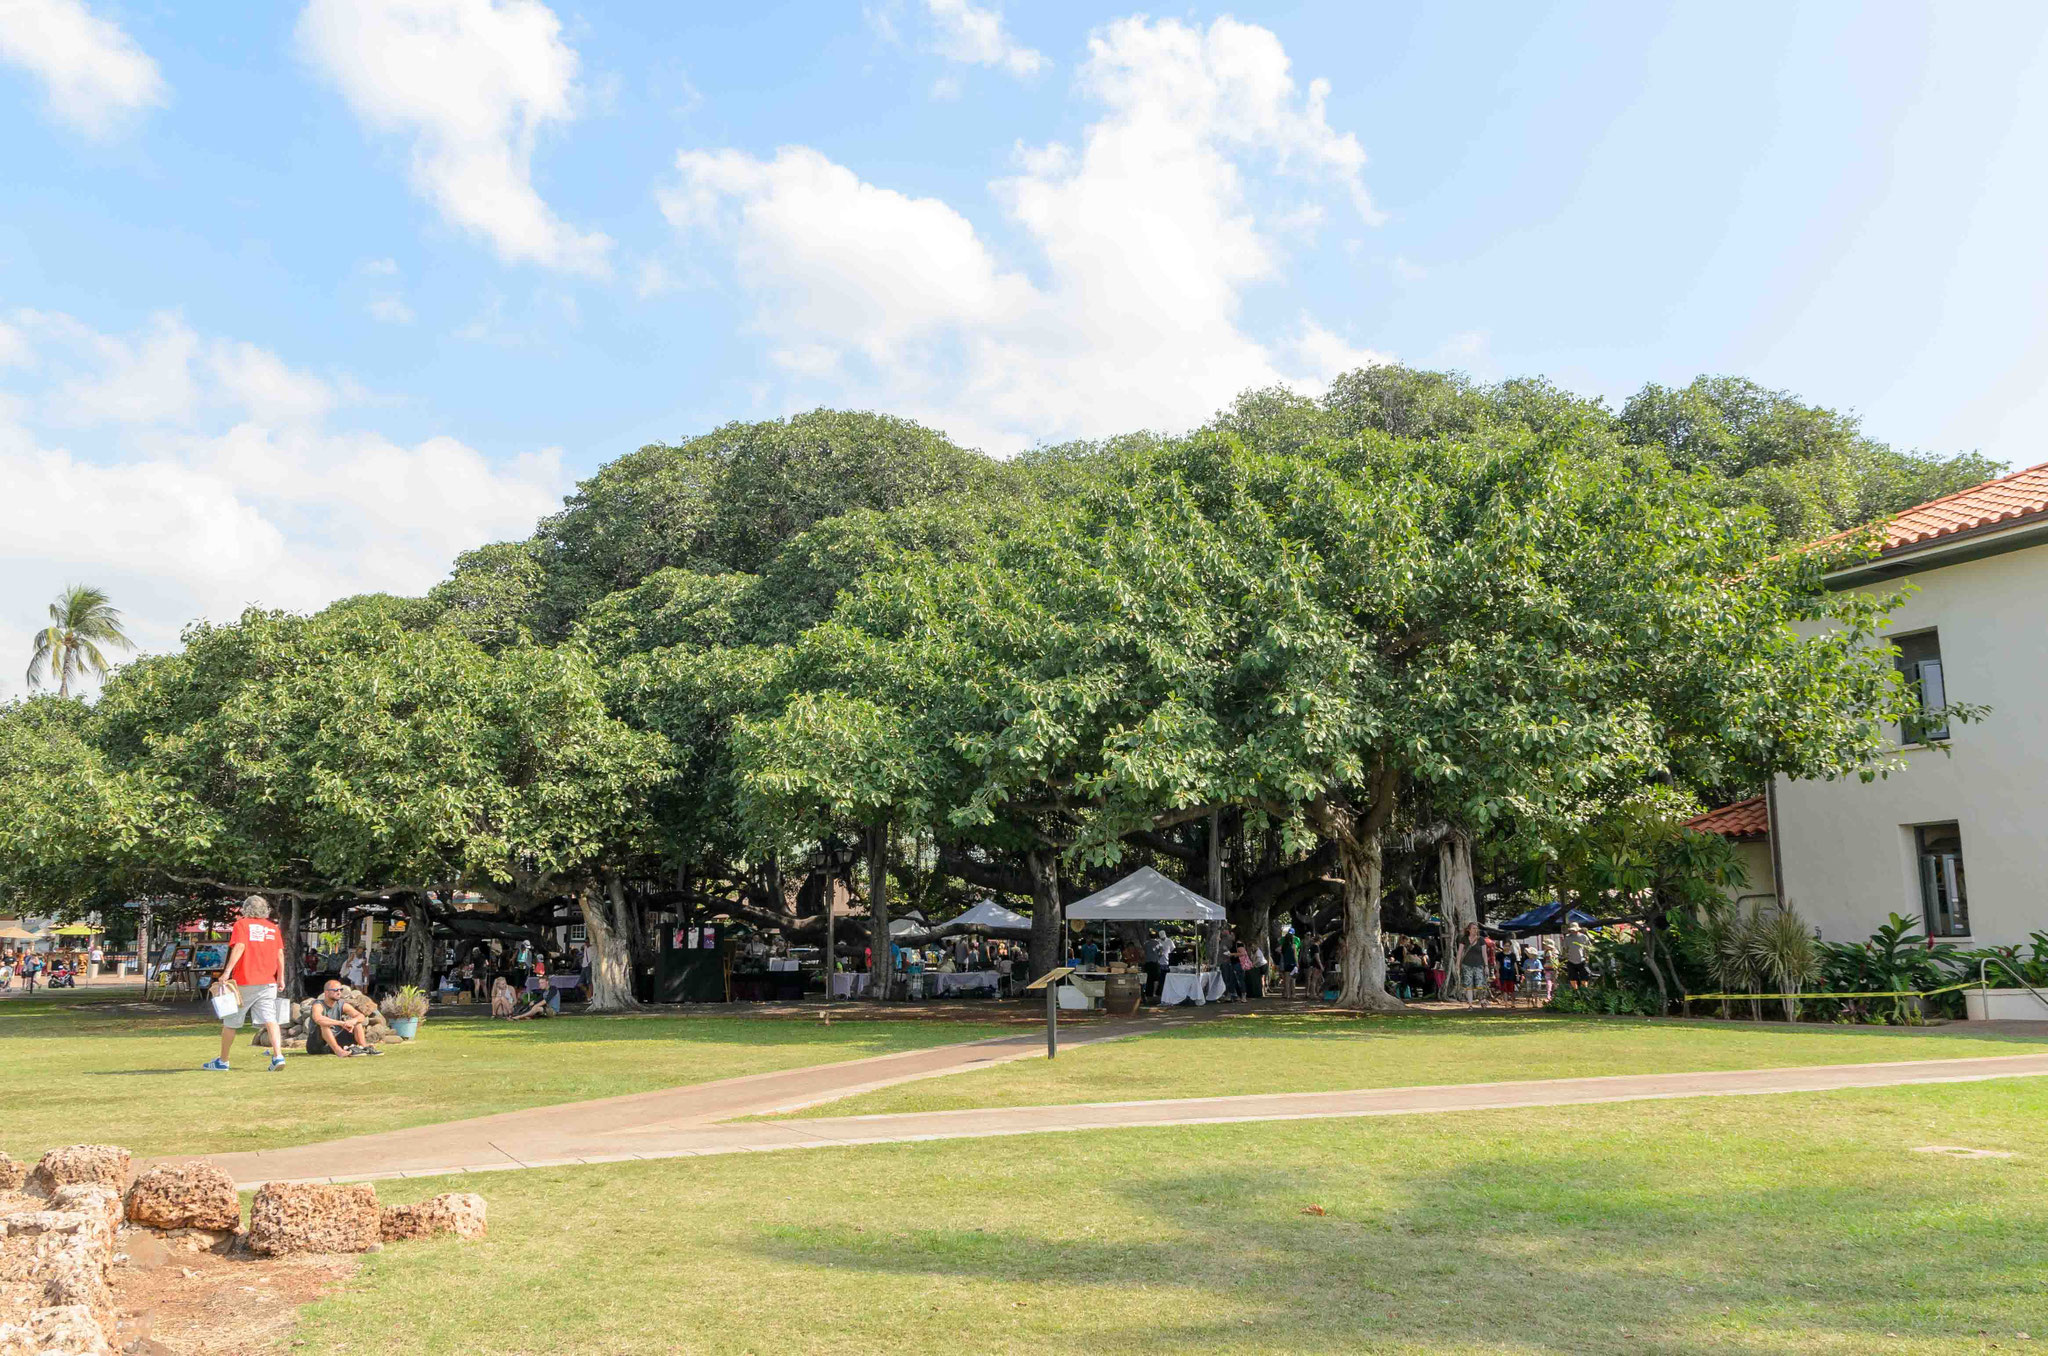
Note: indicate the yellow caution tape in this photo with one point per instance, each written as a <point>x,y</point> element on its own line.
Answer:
<point>1829,993</point>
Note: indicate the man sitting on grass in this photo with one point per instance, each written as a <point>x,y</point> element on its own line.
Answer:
<point>339,1027</point>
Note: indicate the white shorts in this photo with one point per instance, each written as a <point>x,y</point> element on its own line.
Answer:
<point>259,1001</point>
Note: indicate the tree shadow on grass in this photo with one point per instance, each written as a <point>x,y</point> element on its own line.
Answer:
<point>1560,1252</point>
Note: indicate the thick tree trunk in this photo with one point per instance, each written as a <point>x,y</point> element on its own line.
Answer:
<point>1361,848</point>
<point>1455,890</point>
<point>1215,941</point>
<point>1650,960</point>
<point>611,953</point>
<point>294,975</point>
<point>1048,928</point>
<point>883,972</point>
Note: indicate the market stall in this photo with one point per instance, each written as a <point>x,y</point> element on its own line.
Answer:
<point>1144,896</point>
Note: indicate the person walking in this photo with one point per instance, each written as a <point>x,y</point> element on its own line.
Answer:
<point>93,960</point>
<point>1578,971</point>
<point>1472,977</point>
<point>31,968</point>
<point>255,965</point>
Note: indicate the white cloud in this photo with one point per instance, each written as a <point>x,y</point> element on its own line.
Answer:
<point>387,301</point>
<point>1325,355</point>
<point>654,280</point>
<point>1147,238</point>
<point>244,494</point>
<point>94,75</point>
<point>473,82</point>
<point>975,34</point>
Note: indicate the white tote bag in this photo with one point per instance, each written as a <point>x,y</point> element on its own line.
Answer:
<point>228,1001</point>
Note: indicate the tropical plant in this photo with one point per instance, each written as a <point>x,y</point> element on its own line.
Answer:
<point>410,1001</point>
<point>1722,940</point>
<point>81,622</point>
<point>1896,960</point>
<point>1783,950</point>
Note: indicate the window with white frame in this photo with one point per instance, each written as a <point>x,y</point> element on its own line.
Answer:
<point>1944,900</point>
<point>1920,660</point>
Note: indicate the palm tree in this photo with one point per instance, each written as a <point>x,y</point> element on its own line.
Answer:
<point>81,621</point>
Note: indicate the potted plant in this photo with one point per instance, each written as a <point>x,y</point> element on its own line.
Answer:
<point>404,1009</point>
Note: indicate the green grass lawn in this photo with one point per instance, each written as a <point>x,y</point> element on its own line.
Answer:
<point>1776,1224</point>
<point>98,1067</point>
<point>1322,1053</point>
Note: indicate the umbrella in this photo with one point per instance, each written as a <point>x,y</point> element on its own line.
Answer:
<point>18,934</point>
<point>77,930</point>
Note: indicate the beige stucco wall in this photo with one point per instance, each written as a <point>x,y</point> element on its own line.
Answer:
<point>1846,848</point>
<point>1756,862</point>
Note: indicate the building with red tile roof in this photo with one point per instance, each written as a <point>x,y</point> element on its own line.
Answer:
<point>2003,514</point>
<point>1955,834</point>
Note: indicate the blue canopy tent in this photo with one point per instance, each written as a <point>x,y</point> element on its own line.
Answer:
<point>1542,918</point>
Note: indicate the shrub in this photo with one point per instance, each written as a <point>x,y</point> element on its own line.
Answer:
<point>409,1001</point>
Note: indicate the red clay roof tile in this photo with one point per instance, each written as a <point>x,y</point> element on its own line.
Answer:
<point>1745,819</point>
<point>2007,500</point>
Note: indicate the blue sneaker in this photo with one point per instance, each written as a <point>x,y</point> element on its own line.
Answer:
<point>276,1063</point>
<point>215,1065</point>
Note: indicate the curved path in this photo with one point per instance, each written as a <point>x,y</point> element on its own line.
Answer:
<point>685,1122</point>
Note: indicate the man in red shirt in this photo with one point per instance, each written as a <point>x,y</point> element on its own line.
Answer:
<point>254,969</point>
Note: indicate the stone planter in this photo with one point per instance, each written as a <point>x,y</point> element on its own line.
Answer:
<point>407,1027</point>
<point>2004,1005</point>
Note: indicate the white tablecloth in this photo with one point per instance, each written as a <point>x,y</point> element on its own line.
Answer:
<point>1184,986</point>
<point>850,985</point>
<point>937,984</point>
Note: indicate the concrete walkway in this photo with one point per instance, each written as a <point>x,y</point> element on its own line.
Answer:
<point>683,1122</point>
<point>527,1138</point>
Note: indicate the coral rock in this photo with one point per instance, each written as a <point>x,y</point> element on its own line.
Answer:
<point>186,1196</point>
<point>69,1330</point>
<point>290,1217</point>
<point>13,1172</point>
<point>89,1164</point>
<point>456,1212</point>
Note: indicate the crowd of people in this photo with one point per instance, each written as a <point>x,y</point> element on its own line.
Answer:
<point>1482,969</point>
<point>32,970</point>
<point>960,954</point>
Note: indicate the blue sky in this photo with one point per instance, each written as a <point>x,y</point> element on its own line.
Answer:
<point>298,300</point>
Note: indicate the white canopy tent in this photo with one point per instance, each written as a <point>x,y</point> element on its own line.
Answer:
<point>1145,896</point>
<point>987,916</point>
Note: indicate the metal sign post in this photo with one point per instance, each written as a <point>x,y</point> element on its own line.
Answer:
<point>1049,981</point>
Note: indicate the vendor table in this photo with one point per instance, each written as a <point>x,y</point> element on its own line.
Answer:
<point>939,983</point>
<point>1189,986</point>
<point>1083,990</point>
<point>849,985</point>
<point>774,986</point>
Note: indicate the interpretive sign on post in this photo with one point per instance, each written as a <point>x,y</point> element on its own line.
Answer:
<point>1049,981</point>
